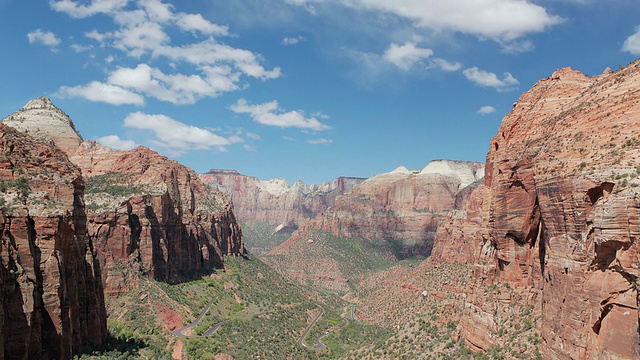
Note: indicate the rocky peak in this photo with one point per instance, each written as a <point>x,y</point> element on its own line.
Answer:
<point>42,119</point>
<point>466,172</point>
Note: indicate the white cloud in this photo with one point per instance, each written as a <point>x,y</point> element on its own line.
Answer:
<point>319,141</point>
<point>270,114</point>
<point>292,40</point>
<point>174,135</point>
<point>80,48</point>
<point>502,20</point>
<point>406,56</point>
<point>195,22</point>
<point>445,65</point>
<point>207,68</point>
<point>249,148</point>
<point>632,43</point>
<point>489,79</point>
<point>174,88</point>
<point>487,109</point>
<point>114,142</point>
<point>73,9</point>
<point>46,38</point>
<point>99,92</point>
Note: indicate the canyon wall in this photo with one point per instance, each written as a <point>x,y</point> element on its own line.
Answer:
<point>146,214</point>
<point>52,301</point>
<point>400,205</point>
<point>560,216</point>
<point>274,201</point>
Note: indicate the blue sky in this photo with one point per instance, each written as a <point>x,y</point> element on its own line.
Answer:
<point>301,89</point>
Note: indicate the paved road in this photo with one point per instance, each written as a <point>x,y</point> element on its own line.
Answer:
<point>179,333</point>
<point>319,344</point>
<point>306,331</point>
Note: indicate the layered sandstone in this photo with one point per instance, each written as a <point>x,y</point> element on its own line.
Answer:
<point>561,205</point>
<point>274,201</point>
<point>51,302</point>
<point>146,214</point>
<point>399,205</point>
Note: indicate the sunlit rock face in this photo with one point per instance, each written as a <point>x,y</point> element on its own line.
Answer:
<point>274,201</point>
<point>560,207</point>
<point>402,205</point>
<point>146,214</point>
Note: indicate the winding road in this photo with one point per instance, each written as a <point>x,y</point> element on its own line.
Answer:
<point>179,333</point>
<point>319,344</point>
<point>306,331</point>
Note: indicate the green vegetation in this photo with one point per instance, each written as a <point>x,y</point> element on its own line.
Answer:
<point>116,184</point>
<point>259,236</point>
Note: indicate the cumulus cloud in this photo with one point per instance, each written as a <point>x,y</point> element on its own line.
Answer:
<point>46,38</point>
<point>292,40</point>
<point>632,43</point>
<point>487,109</point>
<point>78,11</point>
<point>445,65</point>
<point>502,20</point>
<point>406,56</point>
<point>270,114</point>
<point>200,69</point>
<point>319,141</point>
<point>115,142</point>
<point>489,79</point>
<point>99,92</point>
<point>173,135</point>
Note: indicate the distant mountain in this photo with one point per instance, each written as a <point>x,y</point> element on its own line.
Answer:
<point>270,210</point>
<point>397,213</point>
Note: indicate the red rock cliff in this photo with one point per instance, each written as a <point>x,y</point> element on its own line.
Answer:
<point>51,302</point>
<point>400,205</point>
<point>274,201</point>
<point>561,197</point>
<point>147,214</point>
<point>155,214</point>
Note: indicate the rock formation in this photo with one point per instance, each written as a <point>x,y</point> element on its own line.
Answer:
<point>561,204</point>
<point>146,214</point>
<point>274,201</point>
<point>400,205</point>
<point>51,297</point>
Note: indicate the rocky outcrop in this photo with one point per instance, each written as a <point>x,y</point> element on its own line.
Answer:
<point>52,302</point>
<point>400,205</point>
<point>562,200</point>
<point>146,213</point>
<point>274,201</point>
<point>154,214</point>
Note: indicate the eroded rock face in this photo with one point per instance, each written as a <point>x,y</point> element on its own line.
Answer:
<point>400,205</point>
<point>146,213</point>
<point>52,301</point>
<point>160,216</point>
<point>562,196</point>
<point>274,201</point>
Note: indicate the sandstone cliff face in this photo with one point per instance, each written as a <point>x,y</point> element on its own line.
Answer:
<point>400,205</point>
<point>274,201</point>
<point>51,302</point>
<point>561,205</point>
<point>151,212</point>
<point>146,213</point>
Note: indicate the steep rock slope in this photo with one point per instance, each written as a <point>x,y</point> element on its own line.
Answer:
<point>146,213</point>
<point>399,205</point>
<point>561,204</point>
<point>274,201</point>
<point>389,216</point>
<point>51,302</point>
